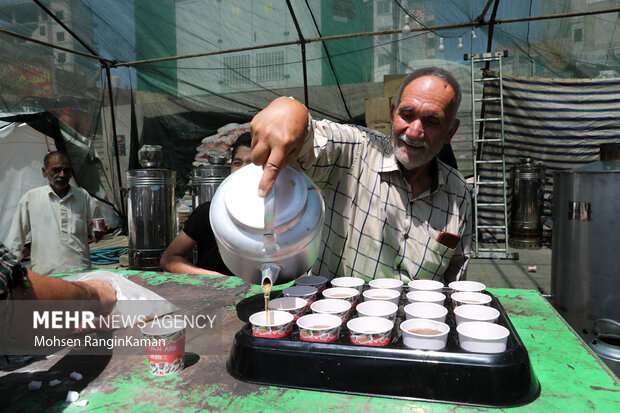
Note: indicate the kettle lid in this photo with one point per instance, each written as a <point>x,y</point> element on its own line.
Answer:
<point>248,209</point>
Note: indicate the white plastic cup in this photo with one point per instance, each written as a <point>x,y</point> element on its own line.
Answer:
<point>342,293</point>
<point>425,285</point>
<point>382,294</point>
<point>319,327</point>
<point>465,297</point>
<point>349,282</point>
<point>378,308</point>
<point>468,312</point>
<point>386,283</point>
<point>294,305</point>
<point>424,334</point>
<point>429,311</point>
<point>481,337</point>
<point>334,306</point>
<point>468,286</point>
<point>370,331</point>
<point>277,324</point>
<point>422,296</point>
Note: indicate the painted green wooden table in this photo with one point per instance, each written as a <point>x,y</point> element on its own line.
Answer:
<point>571,376</point>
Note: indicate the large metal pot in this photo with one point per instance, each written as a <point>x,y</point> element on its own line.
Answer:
<point>150,215</point>
<point>205,181</point>
<point>584,262</point>
<point>276,238</point>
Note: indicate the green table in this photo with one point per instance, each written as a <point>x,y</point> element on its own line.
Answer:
<point>572,377</point>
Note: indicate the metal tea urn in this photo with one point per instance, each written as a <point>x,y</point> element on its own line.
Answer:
<point>151,210</point>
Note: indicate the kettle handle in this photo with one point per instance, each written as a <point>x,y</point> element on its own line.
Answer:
<point>270,246</point>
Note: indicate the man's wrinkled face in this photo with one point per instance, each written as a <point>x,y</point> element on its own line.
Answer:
<point>58,172</point>
<point>241,158</point>
<point>423,121</point>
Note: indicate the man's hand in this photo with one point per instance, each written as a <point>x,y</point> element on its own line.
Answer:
<point>278,134</point>
<point>103,292</point>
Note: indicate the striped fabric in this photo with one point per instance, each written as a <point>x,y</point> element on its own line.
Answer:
<point>559,122</point>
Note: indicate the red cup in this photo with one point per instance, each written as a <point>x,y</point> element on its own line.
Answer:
<point>99,224</point>
<point>165,349</point>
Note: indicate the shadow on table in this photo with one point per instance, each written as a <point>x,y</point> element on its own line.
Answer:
<point>14,392</point>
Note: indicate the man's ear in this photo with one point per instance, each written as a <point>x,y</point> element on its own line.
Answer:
<point>43,172</point>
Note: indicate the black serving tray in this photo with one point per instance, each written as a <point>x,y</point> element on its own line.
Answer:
<point>451,375</point>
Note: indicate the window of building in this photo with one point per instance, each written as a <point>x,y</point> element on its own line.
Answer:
<point>60,14</point>
<point>270,66</point>
<point>60,36</point>
<point>578,35</point>
<point>42,30</point>
<point>237,69</point>
<point>62,57</point>
<point>383,7</point>
<point>384,59</point>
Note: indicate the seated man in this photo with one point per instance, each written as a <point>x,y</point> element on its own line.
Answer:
<point>197,230</point>
<point>393,209</point>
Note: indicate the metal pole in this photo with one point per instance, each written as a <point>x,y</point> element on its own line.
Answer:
<point>117,156</point>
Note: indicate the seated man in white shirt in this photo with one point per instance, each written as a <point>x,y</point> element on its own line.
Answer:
<point>59,219</point>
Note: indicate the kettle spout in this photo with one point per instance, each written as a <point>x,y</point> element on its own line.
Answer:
<point>269,273</point>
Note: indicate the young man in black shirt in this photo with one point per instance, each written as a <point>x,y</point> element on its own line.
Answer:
<point>197,230</point>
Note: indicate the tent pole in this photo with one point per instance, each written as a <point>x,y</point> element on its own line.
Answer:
<point>116,154</point>
<point>302,42</point>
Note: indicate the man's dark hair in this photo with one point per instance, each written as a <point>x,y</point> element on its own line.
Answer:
<point>440,73</point>
<point>245,139</point>
<point>46,158</point>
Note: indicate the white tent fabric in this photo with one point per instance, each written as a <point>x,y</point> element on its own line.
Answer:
<point>22,149</point>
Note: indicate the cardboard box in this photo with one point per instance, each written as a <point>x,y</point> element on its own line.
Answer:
<point>391,84</point>
<point>383,127</point>
<point>377,110</point>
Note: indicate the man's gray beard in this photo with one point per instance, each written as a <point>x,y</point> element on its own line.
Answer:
<point>416,144</point>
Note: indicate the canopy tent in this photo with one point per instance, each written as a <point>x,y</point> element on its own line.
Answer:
<point>121,72</point>
<point>24,141</point>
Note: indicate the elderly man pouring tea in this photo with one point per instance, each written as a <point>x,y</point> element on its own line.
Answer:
<point>393,210</point>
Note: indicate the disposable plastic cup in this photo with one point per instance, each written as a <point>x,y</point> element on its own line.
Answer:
<point>428,311</point>
<point>343,293</point>
<point>316,281</point>
<point>277,324</point>
<point>319,327</point>
<point>386,283</point>
<point>465,297</point>
<point>468,312</point>
<point>425,285</point>
<point>481,337</point>
<point>424,334</point>
<point>378,308</point>
<point>333,306</point>
<point>422,296</point>
<point>370,331</point>
<point>349,282</point>
<point>165,347</point>
<point>382,294</point>
<point>302,291</point>
<point>469,286</point>
<point>293,305</point>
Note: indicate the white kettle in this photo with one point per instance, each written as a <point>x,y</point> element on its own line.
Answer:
<point>276,238</point>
